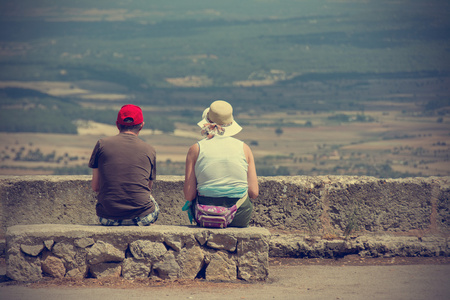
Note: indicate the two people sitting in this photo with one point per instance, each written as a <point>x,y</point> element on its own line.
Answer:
<point>220,171</point>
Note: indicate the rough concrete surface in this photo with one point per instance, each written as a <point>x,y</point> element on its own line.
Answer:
<point>312,204</point>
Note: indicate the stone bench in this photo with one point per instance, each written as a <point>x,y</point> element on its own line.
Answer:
<point>157,251</point>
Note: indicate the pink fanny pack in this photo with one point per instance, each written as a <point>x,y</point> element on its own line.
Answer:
<point>216,216</point>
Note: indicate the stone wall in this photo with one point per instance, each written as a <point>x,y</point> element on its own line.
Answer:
<point>317,205</point>
<point>161,252</point>
<point>322,216</point>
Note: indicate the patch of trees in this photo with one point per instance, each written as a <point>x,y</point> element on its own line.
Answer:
<point>75,170</point>
<point>273,170</point>
<point>35,155</point>
<point>348,118</point>
<point>51,115</point>
<point>436,104</point>
<point>19,120</point>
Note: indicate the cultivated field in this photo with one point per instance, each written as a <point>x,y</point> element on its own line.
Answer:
<point>392,144</point>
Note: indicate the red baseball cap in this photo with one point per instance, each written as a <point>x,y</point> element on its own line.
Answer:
<point>131,112</point>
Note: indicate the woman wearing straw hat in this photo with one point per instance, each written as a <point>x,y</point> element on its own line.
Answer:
<point>220,169</point>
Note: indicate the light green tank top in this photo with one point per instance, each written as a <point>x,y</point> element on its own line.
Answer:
<point>221,168</point>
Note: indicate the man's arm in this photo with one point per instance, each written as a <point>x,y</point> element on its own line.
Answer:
<point>95,183</point>
<point>150,184</point>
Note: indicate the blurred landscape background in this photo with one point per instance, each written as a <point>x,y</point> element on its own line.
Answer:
<point>321,87</point>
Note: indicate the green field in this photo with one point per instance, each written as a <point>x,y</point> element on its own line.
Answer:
<point>142,44</point>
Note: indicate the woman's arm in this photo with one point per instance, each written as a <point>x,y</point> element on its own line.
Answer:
<point>252,178</point>
<point>190,181</point>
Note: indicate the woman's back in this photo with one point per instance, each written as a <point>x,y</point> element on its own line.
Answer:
<point>221,168</point>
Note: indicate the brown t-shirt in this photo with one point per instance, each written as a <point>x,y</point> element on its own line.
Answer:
<point>125,164</point>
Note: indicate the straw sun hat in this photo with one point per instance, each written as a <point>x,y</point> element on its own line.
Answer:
<point>219,113</point>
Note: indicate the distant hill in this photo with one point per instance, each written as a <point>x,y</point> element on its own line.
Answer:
<point>263,55</point>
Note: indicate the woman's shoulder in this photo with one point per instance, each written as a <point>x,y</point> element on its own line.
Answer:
<point>194,148</point>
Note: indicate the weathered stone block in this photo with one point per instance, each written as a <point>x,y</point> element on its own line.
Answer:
<point>32,250</point>
<point>253,259</point>
<point>53,266</point>
<point>78,273</point>
<point>167,266</point>
<point>147,250</point>
<point>134,268</point>
<point>102,270</point>
<point>191,261</point>
<point>222,267</point>
<point>21,268</point>
<point>67,252</point>
<point>174,242</point>
<point>222,241</point>
<point>102,252</point>
<point>49,244</point>
<point>84,242</point>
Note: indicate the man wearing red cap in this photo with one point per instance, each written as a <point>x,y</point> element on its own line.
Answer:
<point>124,168</point>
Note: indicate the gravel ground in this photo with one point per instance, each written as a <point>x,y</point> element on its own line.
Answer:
<point>351,277</point>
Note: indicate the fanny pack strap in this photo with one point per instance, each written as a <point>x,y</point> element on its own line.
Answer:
<point>240,201</point>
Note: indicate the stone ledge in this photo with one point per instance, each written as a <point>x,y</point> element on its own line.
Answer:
<point>378,245</point>
<point>157,251</point>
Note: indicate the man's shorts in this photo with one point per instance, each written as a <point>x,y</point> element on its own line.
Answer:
<point>138,221</point>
